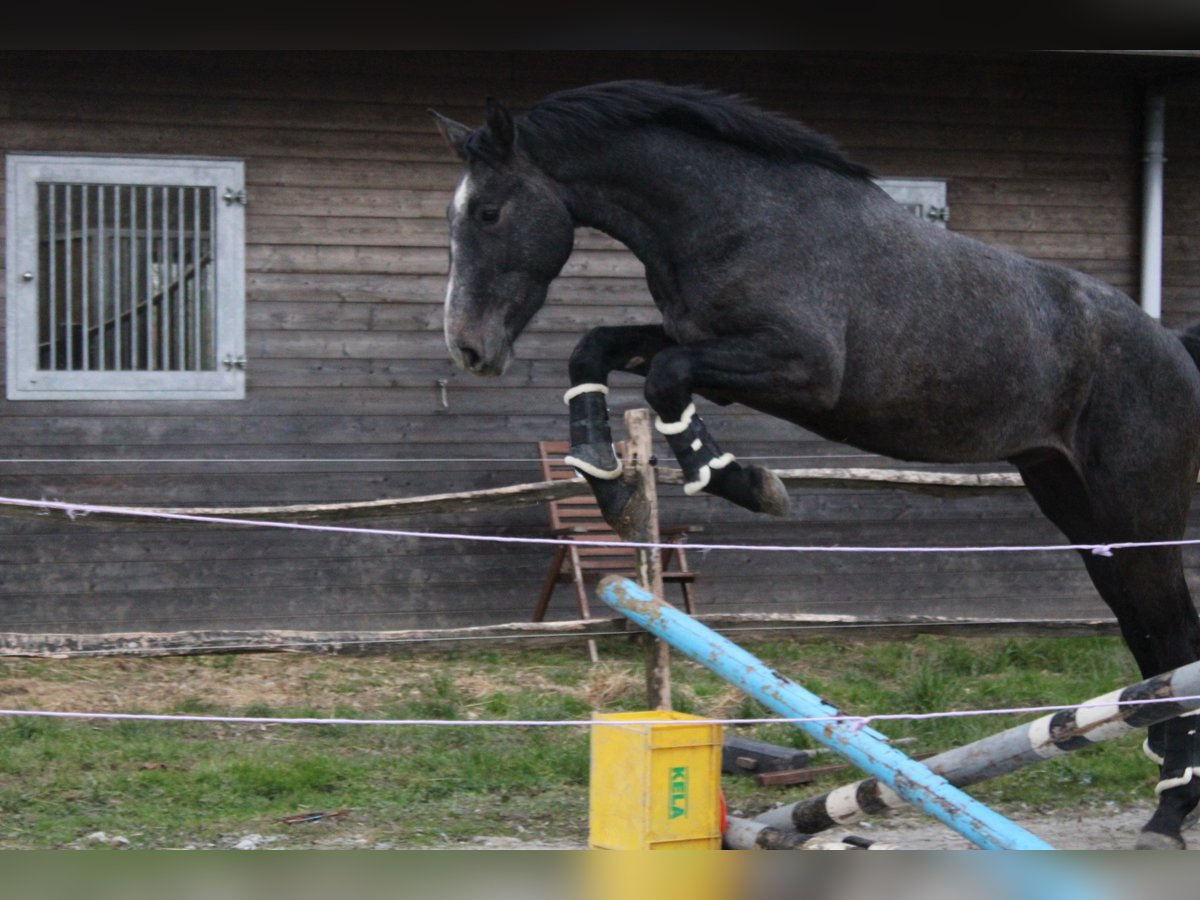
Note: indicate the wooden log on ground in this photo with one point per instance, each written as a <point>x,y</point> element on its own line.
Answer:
<point>743,756</point>
<point>746,626</point>
<point>184,643</point>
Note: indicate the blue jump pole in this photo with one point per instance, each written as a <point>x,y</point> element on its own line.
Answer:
<point>863,747</point>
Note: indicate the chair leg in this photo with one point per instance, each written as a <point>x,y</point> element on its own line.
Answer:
<point>581,598</point>
<point>689,600</point>
<point>539,611</point>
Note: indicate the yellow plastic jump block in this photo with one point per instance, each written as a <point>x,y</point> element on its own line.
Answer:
<point>655,782</point>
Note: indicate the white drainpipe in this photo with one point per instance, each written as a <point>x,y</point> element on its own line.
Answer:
<point>1152,203</point>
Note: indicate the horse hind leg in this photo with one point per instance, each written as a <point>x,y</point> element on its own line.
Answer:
<point>706,468</point>
<point>1174,746</point>
<point>669,383</point>
<point>1147,592</point>
<point>1168,633</point>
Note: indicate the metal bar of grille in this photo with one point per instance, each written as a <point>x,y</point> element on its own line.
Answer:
<point>180,283</point>
<point>207,285</point>
<point>52,259</point>
<point>148,290</point>
<point>133,273</point>
<point>101,252</point>
<point>68,278</point>
<point>85,276</point>
<point>197,268</point>
<point>164,268</point>
<point>118,313</point>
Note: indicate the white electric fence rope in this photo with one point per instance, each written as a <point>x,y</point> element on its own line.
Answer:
<point>337,460</point>
<point>75,510</point>
<point>853,720</point>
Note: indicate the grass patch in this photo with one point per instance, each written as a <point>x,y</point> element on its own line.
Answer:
<point>204,784</point>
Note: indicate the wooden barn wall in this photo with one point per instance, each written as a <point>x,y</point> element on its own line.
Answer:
<point>347,260</point>
<point>1181,204</point>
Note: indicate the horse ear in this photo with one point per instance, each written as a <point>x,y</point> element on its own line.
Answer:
<point>455,133</point>
<point>500,124</point>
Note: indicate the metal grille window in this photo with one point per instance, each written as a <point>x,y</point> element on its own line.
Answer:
<point>125,278</point>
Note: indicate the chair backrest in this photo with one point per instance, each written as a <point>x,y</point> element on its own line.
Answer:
<point>581,515</point>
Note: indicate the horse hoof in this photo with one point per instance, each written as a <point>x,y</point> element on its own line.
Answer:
<point>597,460</point>
<point>769,492</point>
<point>750,487</point>
<point>1153,840</point>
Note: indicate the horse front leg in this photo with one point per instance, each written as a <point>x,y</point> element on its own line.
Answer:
<point>599,353</point>
<point>725,366</point>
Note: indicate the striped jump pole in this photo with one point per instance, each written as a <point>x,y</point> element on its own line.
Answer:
<point>1109,716</point>
<point>864,747</point>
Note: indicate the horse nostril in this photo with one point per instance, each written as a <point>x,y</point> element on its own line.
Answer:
<point>470,357</point>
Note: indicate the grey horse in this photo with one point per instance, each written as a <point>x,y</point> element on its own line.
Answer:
<point>790,283</point>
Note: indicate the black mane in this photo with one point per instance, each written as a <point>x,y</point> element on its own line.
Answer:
<point>582,116</point>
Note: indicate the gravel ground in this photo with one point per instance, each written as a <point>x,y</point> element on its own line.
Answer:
<point>1112,828</point>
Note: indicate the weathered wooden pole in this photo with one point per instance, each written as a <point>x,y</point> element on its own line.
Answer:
<point>642,527</point>
<point>864,747</point>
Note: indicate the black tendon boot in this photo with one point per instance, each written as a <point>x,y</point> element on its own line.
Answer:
<point>706,468</point>
<point>1175,746</point>
<point>592,450</point>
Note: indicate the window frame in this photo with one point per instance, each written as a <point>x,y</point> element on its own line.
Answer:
<point>25,380</point>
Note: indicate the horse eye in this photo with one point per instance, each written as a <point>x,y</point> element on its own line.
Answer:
<point>489,215</point>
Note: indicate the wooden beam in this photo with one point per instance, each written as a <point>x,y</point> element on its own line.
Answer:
<point>925,482</point>
<point>639,448</point>
<point>512,495</point>
<point>533,493</point>
<point>744,626</point>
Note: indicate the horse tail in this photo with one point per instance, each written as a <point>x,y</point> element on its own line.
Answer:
<point>1191,342</point>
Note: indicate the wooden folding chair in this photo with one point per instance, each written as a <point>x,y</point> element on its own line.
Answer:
<point>579,518</point>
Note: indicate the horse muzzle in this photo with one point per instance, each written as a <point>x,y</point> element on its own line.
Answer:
<point>471,358</point>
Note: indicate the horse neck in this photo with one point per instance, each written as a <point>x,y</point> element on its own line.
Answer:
<point>652,197</point>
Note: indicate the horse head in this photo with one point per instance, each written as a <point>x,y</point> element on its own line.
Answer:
<point>510,235</point>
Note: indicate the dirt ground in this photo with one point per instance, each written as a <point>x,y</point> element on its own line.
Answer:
<point>315,681</point>
<point>1111,829</point>
<point>1101,829</point>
